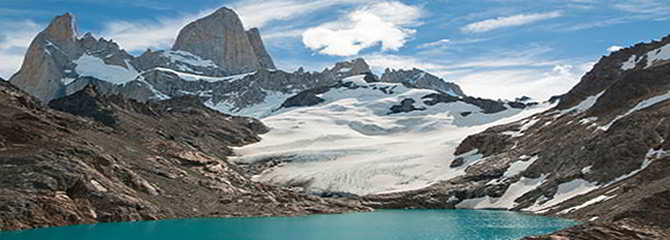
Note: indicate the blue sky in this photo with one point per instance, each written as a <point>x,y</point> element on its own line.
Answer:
<point>492,48</point>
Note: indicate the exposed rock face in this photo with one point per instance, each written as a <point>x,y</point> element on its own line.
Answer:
<point>50,62</point>
<point>264,58</point>
<point>221,37</point>
<point>160,160</point>
<point>43,64</point>
<point>406,105</point>
<point>416,78</point>
<point>349,68</point>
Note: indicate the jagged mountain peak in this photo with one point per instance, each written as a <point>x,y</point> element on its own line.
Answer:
<point>349,68</point>
<point>417,78</point>
<point>223,11</point>
<point>62,28</point>
<point>221,37</point>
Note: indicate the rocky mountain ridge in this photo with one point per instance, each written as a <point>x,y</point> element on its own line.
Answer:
<point>598,156</point>
<point>213,57</point>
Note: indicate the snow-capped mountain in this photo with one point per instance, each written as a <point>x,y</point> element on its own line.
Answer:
<point>363,136</point>
<point>213,57</point>
<point>599,155</point>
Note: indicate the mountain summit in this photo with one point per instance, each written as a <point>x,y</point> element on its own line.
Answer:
<point>221,37</point>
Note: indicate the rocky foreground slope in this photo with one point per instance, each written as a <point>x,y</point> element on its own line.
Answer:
<point>104,159</point>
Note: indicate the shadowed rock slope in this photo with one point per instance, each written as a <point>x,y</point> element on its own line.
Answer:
<point>120,160</point>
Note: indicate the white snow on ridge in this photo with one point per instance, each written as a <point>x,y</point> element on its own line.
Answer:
<point>651,155</point>
<point>653,57</point>
<point>185,60</point>
<point>91,66</point>
<point>630,63</point>
<point>584,105</point>
<point>524,126</point>
<point>188,58</point>
<point>565,192</point>
<point>642,105</point>
<point>194,77</point>
<point>657,55</point>
<point>519,166</point>
<point>67,81</point>
<point>350,143</point>
<point>595,200</point>
<point>506,201</point>
<point>272,102</point>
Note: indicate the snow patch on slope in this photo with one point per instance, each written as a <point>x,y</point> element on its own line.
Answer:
<point>584,105</point>
<point>91,66</point>
<point>272,102</point>
<point>595,200</point>
<point>519,166</point>
<point>507,200</point>
<point>188,58</point>
<point>658,55</point>
<point>194,77</point>
<point>565,192</point>
<point>630,63</point>
<point>642,105</point>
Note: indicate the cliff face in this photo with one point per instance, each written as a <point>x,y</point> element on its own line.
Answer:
<point>121,160</point>
<point>221,37</point>
<point>264,58</point>
<point>44,63</point>
<point>57,57</point>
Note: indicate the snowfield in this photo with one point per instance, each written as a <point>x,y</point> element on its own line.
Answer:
<point>350,143</point>
<point>91,66</point>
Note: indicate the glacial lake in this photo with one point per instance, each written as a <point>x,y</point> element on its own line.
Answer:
<point>382,225</point>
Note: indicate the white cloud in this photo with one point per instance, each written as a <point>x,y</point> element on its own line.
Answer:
<point>511,83</point>
<point>385,23</point>
<point>614,48</point>
<point>509,21</point>
<point>14,41</point>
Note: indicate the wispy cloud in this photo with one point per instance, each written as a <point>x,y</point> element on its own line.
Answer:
<point>649,9</point>
<point>14,41</point>
<point>437,43</point>
<point>388,24</point>
<point>509,21</point>
<point>258,13</point>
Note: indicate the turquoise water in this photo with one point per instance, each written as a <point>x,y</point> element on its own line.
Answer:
<point>386,225</point>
